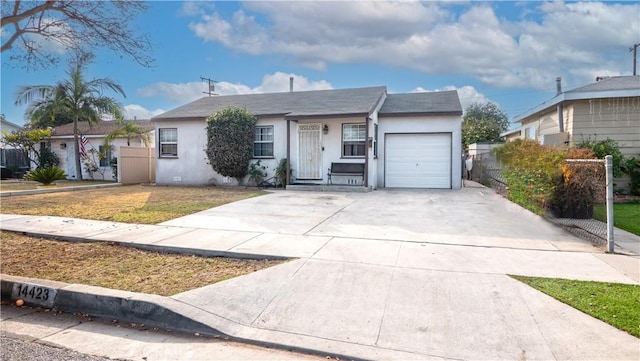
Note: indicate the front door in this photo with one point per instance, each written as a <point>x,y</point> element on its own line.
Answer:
<point>71,160</point>
<point>309,152</point>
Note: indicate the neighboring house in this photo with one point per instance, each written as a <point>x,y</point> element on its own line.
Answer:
<point>11,158</point>
<point>62,145</point>
<point>402,140</point>
<point>608,108</point>
<point>7,126</point>
<point>511,135</point>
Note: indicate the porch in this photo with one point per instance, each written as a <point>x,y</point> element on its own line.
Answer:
<point>328,188</point>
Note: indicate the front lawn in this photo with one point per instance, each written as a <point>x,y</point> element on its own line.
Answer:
<point>625,215</point>
<point>130,204</point>
<point>614,303</point>
<point>10,185</point>
<point>117,267</point>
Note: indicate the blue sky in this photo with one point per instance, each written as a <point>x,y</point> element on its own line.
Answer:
<point>506,52</point>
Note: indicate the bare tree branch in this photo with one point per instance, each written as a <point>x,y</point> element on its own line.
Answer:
<point>40,33</point>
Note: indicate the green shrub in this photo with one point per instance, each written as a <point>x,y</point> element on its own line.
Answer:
<point>257,173</point>
<point>281,172</point>
<point>539,179</point>
<point>531,171</point>
<point>46,176</point>
<point>603,148</point>
<point>230,136</point>
<point>631,166</point>
<point>48,159</point>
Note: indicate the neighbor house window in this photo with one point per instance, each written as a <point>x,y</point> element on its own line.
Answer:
<point>168,142</point>
<point>353,140</point>
<point>105,156</point>
<point>530,132</point>
<point>263,142</point>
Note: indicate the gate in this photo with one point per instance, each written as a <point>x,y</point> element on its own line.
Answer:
<point>136,165</point>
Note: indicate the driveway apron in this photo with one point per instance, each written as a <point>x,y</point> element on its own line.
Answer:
<point>422,272</point>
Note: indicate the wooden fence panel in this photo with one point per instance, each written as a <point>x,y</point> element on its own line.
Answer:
<point>136,165</point>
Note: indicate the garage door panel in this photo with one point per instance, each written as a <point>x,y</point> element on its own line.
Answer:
<point>418,160</point>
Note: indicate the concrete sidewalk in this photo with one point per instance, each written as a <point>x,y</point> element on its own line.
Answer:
<point>382,275</point>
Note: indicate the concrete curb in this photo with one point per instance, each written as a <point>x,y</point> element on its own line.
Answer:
<point>168,313</point>
<point>105,303</point>
<point>56,190</point>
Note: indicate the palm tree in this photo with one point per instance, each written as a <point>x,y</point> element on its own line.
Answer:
<point>74,98</point>
<point>129,130</point>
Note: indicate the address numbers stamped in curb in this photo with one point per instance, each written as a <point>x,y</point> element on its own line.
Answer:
<point>34,294</point>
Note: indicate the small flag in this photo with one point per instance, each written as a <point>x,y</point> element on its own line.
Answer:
<point>83,143</point>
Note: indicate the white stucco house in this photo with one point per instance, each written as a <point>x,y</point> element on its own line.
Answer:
<point>62,144</point>
<point>401,140</point>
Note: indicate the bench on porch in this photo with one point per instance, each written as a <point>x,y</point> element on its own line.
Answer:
<point>346,169</point>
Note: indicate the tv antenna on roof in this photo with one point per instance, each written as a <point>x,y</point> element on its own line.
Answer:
<point>211,88</point>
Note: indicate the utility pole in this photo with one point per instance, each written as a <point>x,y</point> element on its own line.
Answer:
<point>634,48</point>
<point>211,88</point>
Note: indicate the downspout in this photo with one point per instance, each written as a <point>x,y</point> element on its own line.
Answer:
<point>560,108</point>
<point>366,152</point>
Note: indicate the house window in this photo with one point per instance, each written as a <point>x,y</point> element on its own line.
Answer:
<point>353,140</point>
<point>105,156</point>
<point>168,142</point>
<point>263,142</point>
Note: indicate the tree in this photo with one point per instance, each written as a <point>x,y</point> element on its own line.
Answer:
<point>37,32</point>
<point>230,135</point>
<point>28,140</point>
<point>74,98</point>
<point>129,130</point>
<point>483,123</point>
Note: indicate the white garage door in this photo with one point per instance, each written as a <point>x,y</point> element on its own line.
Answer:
<point>418,160</point>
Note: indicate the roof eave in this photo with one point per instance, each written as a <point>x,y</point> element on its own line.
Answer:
<point>413,114</point>
<point>325,116</point>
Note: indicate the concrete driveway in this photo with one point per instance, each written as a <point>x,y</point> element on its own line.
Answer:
<point>411,274</point>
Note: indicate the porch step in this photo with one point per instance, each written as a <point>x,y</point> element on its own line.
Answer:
<point>327,188</point>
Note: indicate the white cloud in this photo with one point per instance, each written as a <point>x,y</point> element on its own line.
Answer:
<point>467,94</point>
<point>135,111</point>
<point>181,93</point>
<point>174,92</point>
<point>575,40</point>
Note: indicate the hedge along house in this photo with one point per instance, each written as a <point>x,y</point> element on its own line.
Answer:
<point>419,132</point>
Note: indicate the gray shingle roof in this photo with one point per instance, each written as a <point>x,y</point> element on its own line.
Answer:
<point>101,128</point>
<point>444,102</point>
<point>293,104</point>
<point>612,83</point>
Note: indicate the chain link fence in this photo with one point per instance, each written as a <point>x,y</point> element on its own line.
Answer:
<point>487,171</point>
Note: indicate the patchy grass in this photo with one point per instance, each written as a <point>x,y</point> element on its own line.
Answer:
<point>625,216</point>
<point>9,185</point>
<point>614,303</point>
<point>129,204</point>
<point>117,267</point>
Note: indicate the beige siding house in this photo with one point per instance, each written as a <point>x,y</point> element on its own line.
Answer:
<point>608,108</point>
